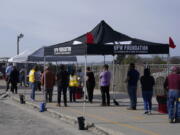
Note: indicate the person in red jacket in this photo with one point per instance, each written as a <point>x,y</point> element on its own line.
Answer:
<point>172,84</point>
<point>48,81</point>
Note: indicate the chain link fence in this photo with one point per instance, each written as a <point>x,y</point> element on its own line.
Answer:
<point>158,71</point>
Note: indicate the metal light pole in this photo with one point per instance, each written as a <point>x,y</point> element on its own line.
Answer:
<point>18,39</point>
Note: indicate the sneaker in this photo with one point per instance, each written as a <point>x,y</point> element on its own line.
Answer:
<point>170,120</point>
<point>146,112</point>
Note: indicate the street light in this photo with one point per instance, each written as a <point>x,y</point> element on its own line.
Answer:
<point>18,39</point>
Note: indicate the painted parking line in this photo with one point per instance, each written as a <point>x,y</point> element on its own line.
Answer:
<point>148,132</point>
<point>137,112</point>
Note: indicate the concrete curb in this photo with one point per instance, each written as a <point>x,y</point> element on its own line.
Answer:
<point>72,120</point>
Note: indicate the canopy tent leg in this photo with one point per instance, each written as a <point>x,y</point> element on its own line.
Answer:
<point>168,63</point>
<point>113,85</point>
<point>104,59</point>
<point>85,89</point>
<point>56,67</point>
<point>25,79</point>
<point>113,80</point>
<point>44,86</point>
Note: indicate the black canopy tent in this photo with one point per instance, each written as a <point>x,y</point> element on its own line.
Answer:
<point>105,41</point>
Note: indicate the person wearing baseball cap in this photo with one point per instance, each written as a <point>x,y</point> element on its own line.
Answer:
<point>172,84</point>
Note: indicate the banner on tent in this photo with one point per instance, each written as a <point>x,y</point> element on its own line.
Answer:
<point>141,49</point>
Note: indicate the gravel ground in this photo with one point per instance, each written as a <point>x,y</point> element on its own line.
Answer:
<point>16,119</point>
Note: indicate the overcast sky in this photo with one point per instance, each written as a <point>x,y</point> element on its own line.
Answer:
<point>47,22</point>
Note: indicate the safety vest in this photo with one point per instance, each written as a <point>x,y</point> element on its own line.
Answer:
<point>32,76</point>
<point>73,82</point>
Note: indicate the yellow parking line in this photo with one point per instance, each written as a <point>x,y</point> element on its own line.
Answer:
<point>125,112</point>
<point>148,132</point>
<point>138,117</point>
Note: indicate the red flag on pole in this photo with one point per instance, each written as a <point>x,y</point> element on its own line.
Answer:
<point>89,38</point>
<point>171,43</point>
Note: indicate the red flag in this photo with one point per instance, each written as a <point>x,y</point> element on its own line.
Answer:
<point>171,43</point>
<point>89,38</point>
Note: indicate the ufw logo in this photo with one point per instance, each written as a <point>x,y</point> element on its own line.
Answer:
<point>62,50</point>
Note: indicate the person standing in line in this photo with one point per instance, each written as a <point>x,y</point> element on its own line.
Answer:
<point>32,82</point>
<point>22,76</point>
<point>147,83</point>
<point>90,84</point>
<point>105,78</point>
<point>132,79</point>
<point>172,84</point>
<point>73,84</point>
<point>38,79</point>
<point>14,79</point>
<point>62,84</point>
<point>48,81</point>
<point>8,71</point>
<point>80,76</point>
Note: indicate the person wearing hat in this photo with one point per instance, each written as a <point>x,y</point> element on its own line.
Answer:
<point>48,81</point>
<point>172,84</point>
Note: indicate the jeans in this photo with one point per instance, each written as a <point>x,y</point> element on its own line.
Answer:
<point>33,89</point>
<point>173,104</point>
<point>132,92</point>
<point>60,89</point>
<point>147,98</point>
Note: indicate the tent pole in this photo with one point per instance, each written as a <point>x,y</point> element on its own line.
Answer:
<point>26,73</point>
<point>25,79</point>
<point>168,63</point>
<point>113,79</point>
<point>85,90</point>
<point>56,67</point>
<point>104,59</point>
<point>44,87</point>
